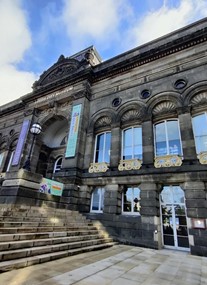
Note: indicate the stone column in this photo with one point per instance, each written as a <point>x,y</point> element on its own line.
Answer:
<point>186,131</point>
<point>84,198</point>
<point>147,143</point>
<point>112,199</point>
<point>89,150</point>
<point>151,231</point>
<point>196,203</point>
<point>115,147</point>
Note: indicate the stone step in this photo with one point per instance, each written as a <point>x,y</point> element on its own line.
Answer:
<point>23,262</point>
<point>36,211</point>
<point>39,235</point>
<point>30,235</point>
<point>18,244</point>
<point>9,224</point>
<point>27,252</point>
<point>13,230</point>
<point>43,219</point>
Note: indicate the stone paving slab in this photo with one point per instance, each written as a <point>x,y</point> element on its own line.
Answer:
<point>120,265</point>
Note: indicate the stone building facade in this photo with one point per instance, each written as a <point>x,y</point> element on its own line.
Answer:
<point>127,137</point>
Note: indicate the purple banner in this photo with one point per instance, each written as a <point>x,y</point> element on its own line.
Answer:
<point>20,143</point>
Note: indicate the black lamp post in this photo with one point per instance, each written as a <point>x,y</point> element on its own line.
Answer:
<point>35,130</point>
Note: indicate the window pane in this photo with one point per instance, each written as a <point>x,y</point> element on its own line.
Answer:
<point>131,200</point>
<point>99,148</point>
<point>128,138</point>
<point>178,195</point>
<point>107,147</point>
<point>127,144</point>
<point>103,146</point>
<point>102,199</point>
<point>200,132</point>
<point>132,143</point>
<point>138,143</point>
<point>127,200</point>
<point>166,195</point>
<point>95,200</point>
<point>160,139</point>
<point>136,198</point>
<point>173,137</point>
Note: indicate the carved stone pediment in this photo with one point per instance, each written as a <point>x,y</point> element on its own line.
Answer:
<point>63,67</point>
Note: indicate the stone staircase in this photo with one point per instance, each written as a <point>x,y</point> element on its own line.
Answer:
<point>32,235</point>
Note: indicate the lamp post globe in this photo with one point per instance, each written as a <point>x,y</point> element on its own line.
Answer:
<point>34,130</point>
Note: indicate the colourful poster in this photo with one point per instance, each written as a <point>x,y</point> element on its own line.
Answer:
<point>52,187</point>
<point>20,143</point>
<point>73,134</point>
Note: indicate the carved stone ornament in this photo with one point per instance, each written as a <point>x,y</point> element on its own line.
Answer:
<point>63,67</point>
<point>164,107</point>
<point>203,157</point>
<point>199,99</point>
<point>103,122</point>
<point>167,161</point>
<point>129,164</point>
<point>130,115</point>
<point>98,167</point>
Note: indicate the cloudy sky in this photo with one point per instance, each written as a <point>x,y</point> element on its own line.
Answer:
<point>34,33</point>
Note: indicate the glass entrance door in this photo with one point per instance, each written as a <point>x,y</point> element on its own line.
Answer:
<point>173,218</point>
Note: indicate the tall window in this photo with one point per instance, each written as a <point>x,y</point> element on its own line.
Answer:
<point>200,132</point>
<point>58,164</point>
<point>132,143</point>
<point>103,145</point>
<point>97,200</point>
<point>167,138</point>
<point>131,200</point>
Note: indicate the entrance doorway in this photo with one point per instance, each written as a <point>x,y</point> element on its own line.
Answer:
<point>173,218</point>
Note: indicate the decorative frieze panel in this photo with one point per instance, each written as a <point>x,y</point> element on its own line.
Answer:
<point>203,157</point>
<point>129,164</point>
<point>98,167</point>
<point>167,161</point>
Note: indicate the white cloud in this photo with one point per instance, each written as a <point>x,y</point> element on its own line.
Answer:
<point>93,20</point>
<point>15,40</point>
<point>165,20</point>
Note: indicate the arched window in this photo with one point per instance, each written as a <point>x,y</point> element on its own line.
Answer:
<point>58,164</point>
<point>132,143</point>
<point>97,200</point>
<point>167,138</point>
<point>102,149</point>
<point>131,200</point>
<point>200,132</point>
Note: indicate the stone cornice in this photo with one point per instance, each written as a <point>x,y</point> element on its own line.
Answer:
<point>169,48</point>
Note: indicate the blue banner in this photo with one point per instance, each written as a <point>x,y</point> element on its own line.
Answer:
<point>73,134</point>
<point>20,143</point>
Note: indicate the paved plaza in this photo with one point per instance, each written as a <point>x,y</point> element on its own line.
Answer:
<point>119,265</point>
